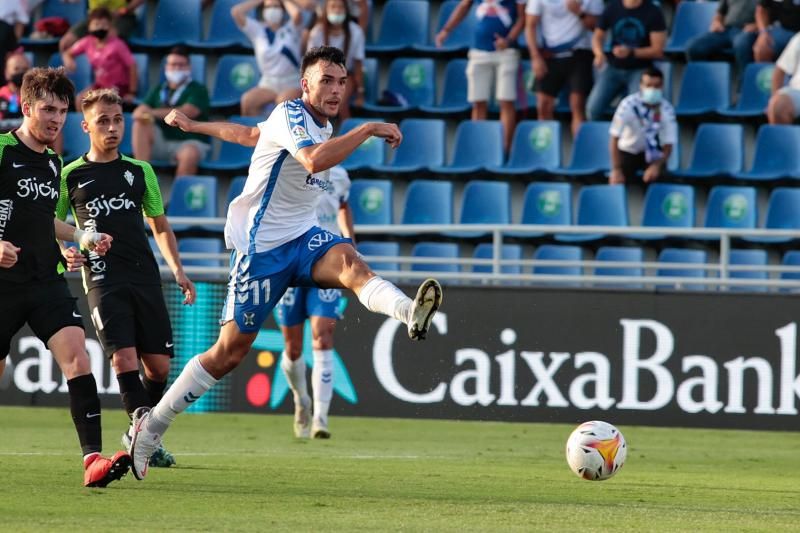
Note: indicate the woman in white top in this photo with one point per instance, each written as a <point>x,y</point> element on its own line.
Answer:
<point>336,28</point>
<point>277,51</point>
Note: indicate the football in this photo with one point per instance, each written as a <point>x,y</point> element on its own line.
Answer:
<point>596,450</point>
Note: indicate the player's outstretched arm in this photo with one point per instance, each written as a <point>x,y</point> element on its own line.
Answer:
<point>227,131</point>
<point>330,153</point>
<point>8,254</point>
<point>165,239</point>
<point>87,240</point>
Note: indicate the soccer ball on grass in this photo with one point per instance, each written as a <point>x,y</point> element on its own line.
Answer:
<point>596,450</point>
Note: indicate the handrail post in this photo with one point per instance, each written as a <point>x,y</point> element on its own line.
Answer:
<point>724,258</point>
<point>497,253</point>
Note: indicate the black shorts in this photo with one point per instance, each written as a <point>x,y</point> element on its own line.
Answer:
<point>575,71</point>
<point>47,307</point>
<point>131,316</point>
<point>632,164</point>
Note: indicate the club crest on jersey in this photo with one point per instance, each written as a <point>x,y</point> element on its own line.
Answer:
<point>53,168</point>
<point>128,177</point>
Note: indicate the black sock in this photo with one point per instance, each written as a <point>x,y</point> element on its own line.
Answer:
<point>155,389</point>
<point>132,391</point>
<point>84,404</point>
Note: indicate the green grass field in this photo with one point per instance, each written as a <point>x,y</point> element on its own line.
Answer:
<point>246,472</point>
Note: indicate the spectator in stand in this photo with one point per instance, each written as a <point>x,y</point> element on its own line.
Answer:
<point>13,19</point>
<point>777,22</point>
<point>493,57</point>
<point>124,19</point>
<point>643,132</point>
<point>638,34</point>
<point>10,107</point>
<point>152,138</point>
<point>336,28</point>
<point>563,55</point>
<point>733,26</point>
<point>111,59</point>
<point>784,105</point>
<point>277,49</point>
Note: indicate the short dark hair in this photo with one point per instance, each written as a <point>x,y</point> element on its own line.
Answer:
<point>179,50</point>
<point>329,54</point>
<point>41,82</point>
<point>653,72</point>
<point>100,13</point>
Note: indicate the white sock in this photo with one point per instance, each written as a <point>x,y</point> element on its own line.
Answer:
<point>381,296</point>
<point>191,384</point>
<point>295,372</point>
<point>322,383</point>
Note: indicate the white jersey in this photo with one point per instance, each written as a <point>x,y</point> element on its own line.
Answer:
<point>332,199</point>
<point>277,53</point>
<point>279,200</point>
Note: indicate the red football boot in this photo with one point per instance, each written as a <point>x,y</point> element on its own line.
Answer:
<point>100,471</point>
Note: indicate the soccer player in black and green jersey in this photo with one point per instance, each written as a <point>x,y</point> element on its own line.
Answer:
<point>108,192</point>
<point>32,285</point>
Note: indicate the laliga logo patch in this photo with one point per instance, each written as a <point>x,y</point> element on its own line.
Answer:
<point>300,133</point>
<point>319,239</point>
<point>329,295</point>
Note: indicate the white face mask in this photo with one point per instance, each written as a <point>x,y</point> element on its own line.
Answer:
<point>651,95</point>
<point>273,15</point>
<point>176,77</point>
<point>336,18</point>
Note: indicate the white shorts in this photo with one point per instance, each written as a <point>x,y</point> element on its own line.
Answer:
<point>500,67</point>
<point>279,84</point>
<point>794,94</point>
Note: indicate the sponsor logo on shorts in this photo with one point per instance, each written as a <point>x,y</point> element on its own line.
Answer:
<point>249,319</point>
<point>169,344</point>
<point>329,295</point>
<point>320,239</point>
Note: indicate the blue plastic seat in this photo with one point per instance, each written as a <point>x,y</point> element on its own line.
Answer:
<point>201,245</point>
<point>485,202</point>
<point>478,144</point>
<point>142,75</point>
<point>705,88</point>
<point>428,202</point>
<point>791,259</point>
<point>176,22</point>
<point>618,254</point>
<point>236,188</point>
<point>691,19</point>
<point>776,154</point>
<point>547,203</point>
<point>232,156</point>
<point>535,149</point>
<point>422,147</point>
<point>678,255</point>
<point>235,75</point>
<point>748,258</point>
<point>454,91</point>
<point>126,146</point>
<point>371,201</point>
<point>404,24</point>
<point>369,153</point>
<point>413,79</point>
<point>192,196</point>
<point>222,30</point>
<point>509,252</point>
<point>76,141</point>
<point>718,151</point>
<point>380,249</point>
<point>83,75</point>
<point>442,250</point>
<point>599,205</point>
<point>667,205</point>
<point>731,207</point>
<point>590,150</point>
<point>756,90</point>
<point>458,40</point>
<point>556,252</point>
<point>369,71</point>
<point>783,212</point>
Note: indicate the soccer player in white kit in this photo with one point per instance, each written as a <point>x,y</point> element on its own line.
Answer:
<point>272,229</point>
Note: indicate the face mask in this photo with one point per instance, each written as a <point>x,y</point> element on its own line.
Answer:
<point>273,15</point>
<point>651,95</point>
<point>176,77</point>
<point>100,34</point>
<point>336,18</point>
<point>16,79</point>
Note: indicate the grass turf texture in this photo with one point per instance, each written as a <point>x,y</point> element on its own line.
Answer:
<point>246,472</point>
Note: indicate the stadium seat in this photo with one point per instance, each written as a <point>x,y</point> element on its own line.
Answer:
<point>731,207</point>
<point>192,196</point>
<point>232,156</point>
<point>599,205</point>
<point>142,75</point>
<point>422,147</point>
<point>404,23</point>
<point>509,252</point>
<point>176,22</point>
<point>791,259</point>
<point>380,249</point>
<point>755,93</point>
<point>200,245</point>
<point>776,155</point>
<point>76,141</point>
<point>705,88</point>
<point>477,144</point>
<point>555,252</point>
<point>718,152</point>
<point>535,149</point>
<point>678,255</point>
<point>371,201</point>
<point>667,205</point>
<point>235,75</point>
<point>412,79</point>
<point>428,202</point>
<point>222,30</point>
<point>198,66</point>
<point>73,11</point>
<point>547,203</point>
<point>83,75</point>
<point>369,153</point>
<point>458,40</point>
<point>454,91</point>
<point>441,250</point>
<point>620,254</point>
<point>748,258</point>
<point>589,151</point>
<point>782,213</point>
<point>126,146</point>
<point>691,19</point>
<point>369,70</point>
<point>236,188</point>
<point>484,202</point>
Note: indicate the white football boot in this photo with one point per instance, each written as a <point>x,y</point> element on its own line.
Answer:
<point>302,418</point>
<point>319,428</point>
<point>143,443</point>
<point>426,302</point>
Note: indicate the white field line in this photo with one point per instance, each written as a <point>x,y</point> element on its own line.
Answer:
<point>236,452</point>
